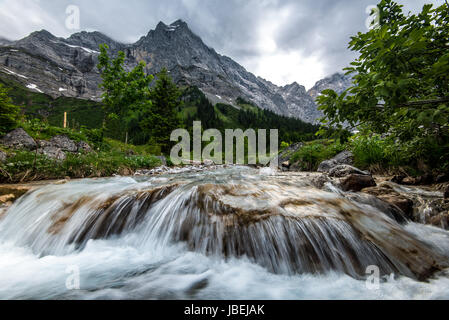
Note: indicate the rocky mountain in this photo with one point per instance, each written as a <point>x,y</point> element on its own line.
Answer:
<point>337,82</point>
<point>5,42</point>
<point>67,67</point>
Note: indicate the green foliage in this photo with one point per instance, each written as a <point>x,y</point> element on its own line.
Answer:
<point>42,130</point>
<point>247,115</point>
<point>39,105</point>
<point>369,150</point>
<point>125,94</point>
<point>373,150</point>
<point>284,145</point>
<point>25,165</point>
<point>401,81</point>
<point>162,118</point>
<point>9,113</point>
<point>309,157</point>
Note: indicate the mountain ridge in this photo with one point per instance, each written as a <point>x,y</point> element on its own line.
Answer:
<point>69,68</point>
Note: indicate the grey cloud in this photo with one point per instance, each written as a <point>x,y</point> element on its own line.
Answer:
<point>311,27</point>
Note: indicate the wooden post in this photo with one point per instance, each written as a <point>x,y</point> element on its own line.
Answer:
<point>65,120</point>
<point>126,140</point>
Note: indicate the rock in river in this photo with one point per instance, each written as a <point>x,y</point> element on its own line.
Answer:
<point>345,157</point>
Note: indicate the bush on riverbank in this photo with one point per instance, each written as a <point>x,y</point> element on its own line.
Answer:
<point>29,166</point>
<point>371,151</point>
<point>375,153</point>
<point>108,158</point>
<point>309,157</point>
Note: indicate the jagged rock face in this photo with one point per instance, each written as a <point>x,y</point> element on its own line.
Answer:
<point>337,82</point>
<point>67,67</point>
<point>5,42</point>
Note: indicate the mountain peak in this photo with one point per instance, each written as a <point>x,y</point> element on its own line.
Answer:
<point>42,34</point>
<point>295,88</point>
<point>175,26</point>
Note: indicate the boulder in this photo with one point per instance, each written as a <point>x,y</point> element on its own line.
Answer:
<point>2,156</point>
<point>286,164</point>
<point>344,170</point>
<point>422,180</point>
<point>444,177</point>
<point>345,157</point>
<point>389,209</point>
<point>83,147</point>
<point>206,162</point>
<point>287,153</point>
<point>16,190</point>
<point>398,179</point>
<point>409,181</point>
<point>440,220</point>
<point>52,152</point>
<point>357,182</point>
<point>64,143</point>
<point>446,193</point>
<point>19,139</point>
<point>320,181</point>
<point>297,166</point>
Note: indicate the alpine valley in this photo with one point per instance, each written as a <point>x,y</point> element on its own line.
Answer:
<point>62,67</point>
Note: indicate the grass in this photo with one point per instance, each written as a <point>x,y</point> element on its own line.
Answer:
<point>309,157</point>
<point>42,106</point>
<point>110,157</point>
<point>28,166</point>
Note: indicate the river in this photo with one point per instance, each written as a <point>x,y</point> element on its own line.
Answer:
<point>230,233</point>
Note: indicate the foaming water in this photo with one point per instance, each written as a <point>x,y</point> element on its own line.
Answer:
<point>233,233</point>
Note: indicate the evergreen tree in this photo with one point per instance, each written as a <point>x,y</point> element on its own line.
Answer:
<point>9,113</point>
<point>162,118</point>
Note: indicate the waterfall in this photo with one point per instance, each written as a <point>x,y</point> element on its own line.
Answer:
<point>281,224</point>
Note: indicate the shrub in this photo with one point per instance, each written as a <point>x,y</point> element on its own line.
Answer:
<point>313,153</point>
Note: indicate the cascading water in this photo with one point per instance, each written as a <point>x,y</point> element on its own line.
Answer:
<point>233,233</point>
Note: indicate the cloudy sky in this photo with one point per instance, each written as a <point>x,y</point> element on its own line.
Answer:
<point>280,40</point>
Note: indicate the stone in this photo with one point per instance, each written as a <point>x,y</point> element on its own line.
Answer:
<point>286,164</point>
<point>64,143</point>
<point>403,203</point>
<point>320,181</point>
<point>7,198</point>
<point>286,154</point>
<point>389,209</point>
<point>206,162</point>
<point>130,153</point>
<point>357,182</point>
<point>444,177</point>
<point>440,220</point>
<point>2,156</point>
<point>425,179</point>
<point>16,190</point>
<point>19,139</point>
<point>409,181</point>
<point>398,179</point>
<point>345,157</point>
<point>446,193</point>
<point>52,152</point>
<point>344,170</point>
<point>83,147</point>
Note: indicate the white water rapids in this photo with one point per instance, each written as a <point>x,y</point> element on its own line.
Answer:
<point>235,233</point>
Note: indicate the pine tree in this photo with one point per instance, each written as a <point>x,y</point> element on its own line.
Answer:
<point>163,118</point>
<point>9,113</point>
